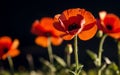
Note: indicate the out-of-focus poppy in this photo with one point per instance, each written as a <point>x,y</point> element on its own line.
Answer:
<point>8,48</point>
<point>109,24</point>
<point>76,21</point>
<point>45,30</point>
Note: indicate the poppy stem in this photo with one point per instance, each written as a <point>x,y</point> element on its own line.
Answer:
<point>68,59</point>
<point>30,61</point>
<point>11,65</point>
<point>118,45</point>
<point>101,69</point>
<point>50,51</point>
<point>100,52</point>
<point>76,53</point>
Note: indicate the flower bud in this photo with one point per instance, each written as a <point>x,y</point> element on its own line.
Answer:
<point>68,49</point>
<point>99,34</point>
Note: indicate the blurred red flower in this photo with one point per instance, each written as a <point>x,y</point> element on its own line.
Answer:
<point>76,21</point>
<point>109,24</point>
<point>44,29</point>
<point>8,48</point>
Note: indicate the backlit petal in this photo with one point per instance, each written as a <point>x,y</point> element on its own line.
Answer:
<point>88,34</point>
<point>41,41</point>
<point>12,53</point>
<point>56,41</point>
<point>102,14</point>
<point>5,40</point>
<point>46,23</point>
<point>15,44</point>
<point>115,35</point>
<point>68,37</point>
<point>112,20</point>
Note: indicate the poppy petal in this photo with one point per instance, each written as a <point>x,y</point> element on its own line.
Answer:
<point>88,34</point>
<point>115,35</point>
<point>58,24</point>
<point>56,41</point>
<point>68,37</point>
<point>41,41</point>
<point>46,23</point>
<point>102,14</point>
<point>6,40</point>
<point>113,20</point>
<point>15,44</point>
<point>87,27</point>
<point>36,28</point>
<point>72,12</point>
<point>12,53</point>
<point>89,18</point>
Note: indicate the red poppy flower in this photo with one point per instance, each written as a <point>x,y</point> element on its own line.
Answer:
<point>76,21</point>
<point>8,48</point>
<point>109,24</point>
<point>44,29</point>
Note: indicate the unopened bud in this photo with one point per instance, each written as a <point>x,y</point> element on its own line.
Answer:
<point>68,49</point>
<point>99,33</point>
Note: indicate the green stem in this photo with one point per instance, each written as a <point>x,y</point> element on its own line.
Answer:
<point>101,49</point>
<point>68,59</point>
<point>50,51</point>
<point>30,61</point>
<point>101,69</point>
<point>100,53</point>
<point>11,65</point>
<point>118,45</point>
<point>76,53</point>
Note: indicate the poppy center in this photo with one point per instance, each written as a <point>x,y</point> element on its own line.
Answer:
<point>109,27</point>
<point>47,34</point>
<point>5,50</point>
<point>72,27</point>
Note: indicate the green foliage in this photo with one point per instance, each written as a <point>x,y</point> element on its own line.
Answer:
<point>60,60</point>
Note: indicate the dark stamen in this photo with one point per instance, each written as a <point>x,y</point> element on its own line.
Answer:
<point>109,27</point>
<point>72,27</point>
<point>5,50</point>
<point>47,34</point>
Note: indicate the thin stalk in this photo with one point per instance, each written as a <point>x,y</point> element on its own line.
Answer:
<point>76,53</point>
<point>118,45</point>
<point>100,53</point>
<point>101,69</point>
<point>11,65</point>
<point>101,49</point>
<point>68,59</point>
<point>50,51</point>
<point>30,61</point>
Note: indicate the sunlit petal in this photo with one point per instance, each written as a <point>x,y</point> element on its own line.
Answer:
<point>88,34</point>
<point>56,41</point>
<point>12,53</point>
<point>15,44</point>
<point>102,14</point>
<point>41,41</point>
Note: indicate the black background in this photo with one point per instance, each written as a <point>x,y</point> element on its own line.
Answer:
<point>17,16</point>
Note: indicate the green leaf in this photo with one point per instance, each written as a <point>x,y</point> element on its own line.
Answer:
<point>79,68</point>
<point>92,55</point>
<point>60,60</point>
<point>113,66</point>
<point>92,72</point>
<point>72,72</point>
<point>48,64</point>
